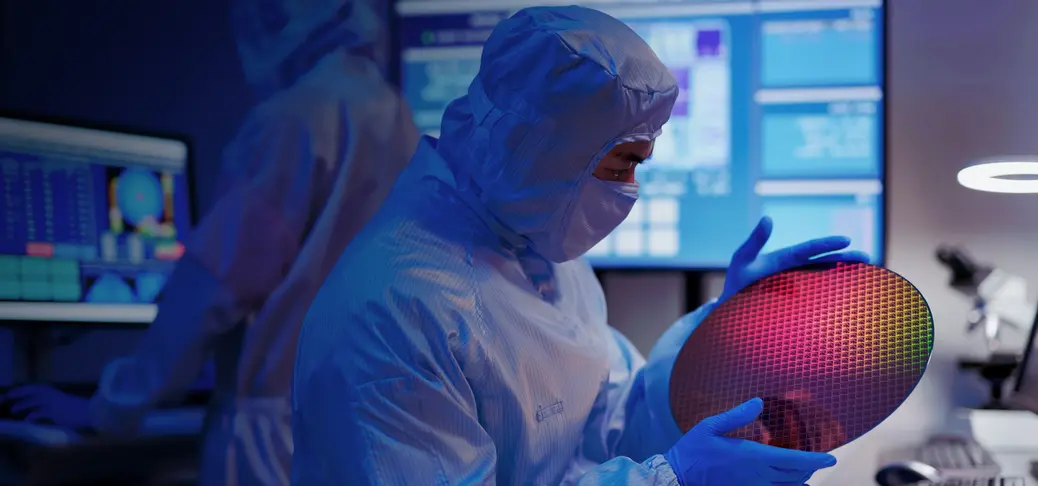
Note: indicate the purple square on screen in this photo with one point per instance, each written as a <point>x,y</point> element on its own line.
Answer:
<point>708,43</point>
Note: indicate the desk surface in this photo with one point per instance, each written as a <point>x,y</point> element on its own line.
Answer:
<point>19,432</point>
<point>168,444</point>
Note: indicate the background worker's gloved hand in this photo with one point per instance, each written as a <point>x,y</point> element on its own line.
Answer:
<point>705,457</point>
<point>748,265</point>
<point>41,403</point>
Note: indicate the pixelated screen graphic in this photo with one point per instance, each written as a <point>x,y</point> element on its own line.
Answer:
<point>832,350</point>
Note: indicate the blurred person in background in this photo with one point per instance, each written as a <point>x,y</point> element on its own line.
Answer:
<point>311,164</point>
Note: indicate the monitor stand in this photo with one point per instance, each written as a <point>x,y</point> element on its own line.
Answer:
<point>996,370</point>
<point>33,343</point>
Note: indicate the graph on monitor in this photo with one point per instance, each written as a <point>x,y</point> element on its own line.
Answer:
<point>93,221</point>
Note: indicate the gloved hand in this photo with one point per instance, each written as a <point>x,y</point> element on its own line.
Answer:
<point>704,457</point>
<point>46,404</point>
<point>748,265</point>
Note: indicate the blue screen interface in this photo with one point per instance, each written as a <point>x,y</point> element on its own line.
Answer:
<point>781,114</point>
<point>88,218</point>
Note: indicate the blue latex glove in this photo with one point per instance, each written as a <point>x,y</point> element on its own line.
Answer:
<point>704,457</point>
<point>46,404</point>
<point>749,266</point>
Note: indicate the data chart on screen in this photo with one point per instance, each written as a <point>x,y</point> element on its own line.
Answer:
<point>93,221</point>
<point>821,140</point>
<point>834,48</point>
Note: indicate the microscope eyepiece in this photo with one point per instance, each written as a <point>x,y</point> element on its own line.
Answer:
<point>963,269</point>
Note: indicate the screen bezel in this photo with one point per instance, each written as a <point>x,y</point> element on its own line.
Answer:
<point>1021,372</point>
<point>1024,395</point>
<point>73,313</point>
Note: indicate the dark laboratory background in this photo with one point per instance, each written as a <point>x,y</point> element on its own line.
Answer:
<point>125,63</point>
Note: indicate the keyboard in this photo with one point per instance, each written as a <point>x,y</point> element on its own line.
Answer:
<point>957,458</point>
<point>995,481</point>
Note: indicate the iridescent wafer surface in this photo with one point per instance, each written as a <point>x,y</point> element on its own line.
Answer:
<point>832,351</point>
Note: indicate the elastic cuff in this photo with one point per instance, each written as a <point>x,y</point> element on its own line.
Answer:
<point>662,470</point>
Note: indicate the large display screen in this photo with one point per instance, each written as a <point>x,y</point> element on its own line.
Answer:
<point>781,114</point>
<point>91,222</point>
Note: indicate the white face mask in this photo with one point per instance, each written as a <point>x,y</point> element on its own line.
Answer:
<point>600,207</point>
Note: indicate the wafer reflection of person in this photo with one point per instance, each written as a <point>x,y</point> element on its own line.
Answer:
<point>793,420</point>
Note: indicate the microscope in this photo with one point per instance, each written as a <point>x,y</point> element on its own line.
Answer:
<point>999,303</point>
<point>999,298</point>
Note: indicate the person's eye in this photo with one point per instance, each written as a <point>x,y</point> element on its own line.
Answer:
<point>621,165</point>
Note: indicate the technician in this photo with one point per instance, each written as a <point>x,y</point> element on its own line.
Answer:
<point>476,350</point>
<point>309,167</point>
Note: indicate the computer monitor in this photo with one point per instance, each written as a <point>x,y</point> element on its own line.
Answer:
<point>1025,389</point>
<point>91,221</point>
<point>781,114</point>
